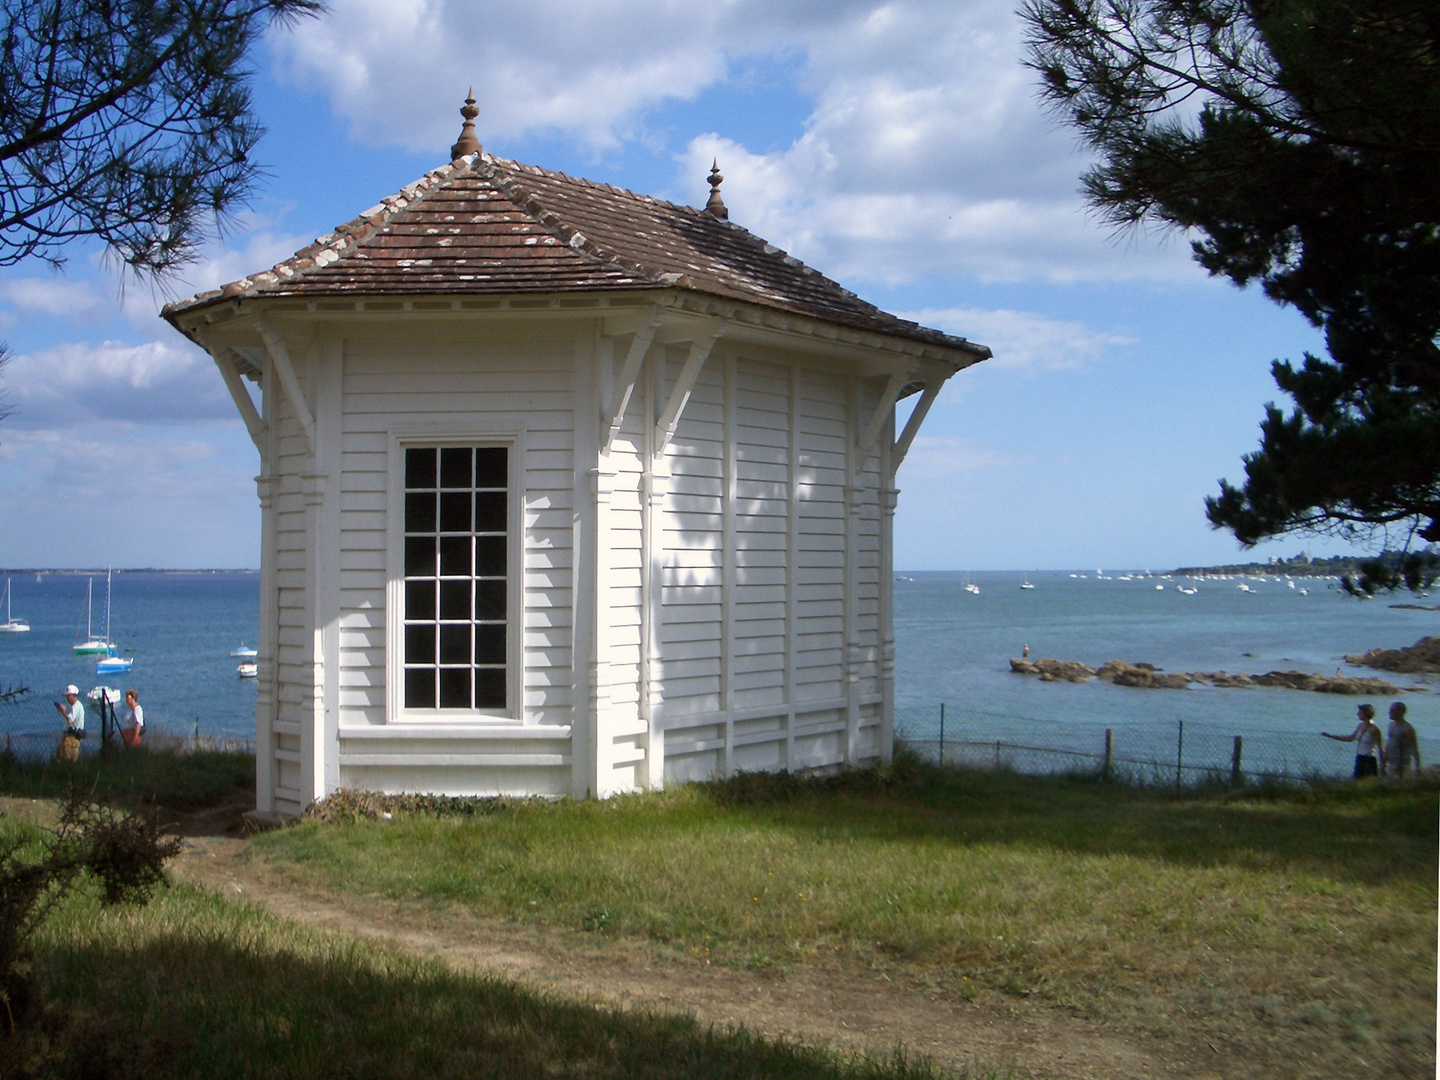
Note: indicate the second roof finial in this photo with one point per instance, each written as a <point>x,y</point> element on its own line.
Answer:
<point>715,204</point>
<point>467,143</point>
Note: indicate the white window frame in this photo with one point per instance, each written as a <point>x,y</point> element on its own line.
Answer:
<point>402,439</point>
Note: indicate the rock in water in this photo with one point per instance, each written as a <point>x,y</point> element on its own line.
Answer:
<point>1421,658</point>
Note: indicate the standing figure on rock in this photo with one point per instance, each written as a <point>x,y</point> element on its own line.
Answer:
<point>1369,752</point>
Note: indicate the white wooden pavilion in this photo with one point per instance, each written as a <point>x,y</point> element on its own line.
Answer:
<point>565,491</point>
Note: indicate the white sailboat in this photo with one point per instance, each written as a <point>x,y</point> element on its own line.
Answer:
<point>12,625</point>
<point>92,645</point>
<point>245,652</point>
<point>112,663</point>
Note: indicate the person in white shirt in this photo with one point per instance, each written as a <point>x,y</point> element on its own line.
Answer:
<point>134,725</point>
<point>73,712</point>
<point>1368,746</point>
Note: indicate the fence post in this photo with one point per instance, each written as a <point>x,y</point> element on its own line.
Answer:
<point>1179,754</point>
<point>942,733</point>
<point>1235,762</point>
<point>1109,769</point>
<point>997,753</point>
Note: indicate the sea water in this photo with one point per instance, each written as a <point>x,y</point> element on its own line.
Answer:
<point>179,627</point>
<point>952,646</point>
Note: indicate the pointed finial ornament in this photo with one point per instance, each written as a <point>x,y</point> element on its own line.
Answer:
<point>467,143</point>
<point>715,204</point>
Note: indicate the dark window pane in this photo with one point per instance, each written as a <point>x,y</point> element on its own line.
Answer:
<point>420,644</point>
<point>420,468</point>
<point>489,688</point>
<point>420,512</point>
<point>419,556</point>
<point>420,688</point>
<point>490,599</point>
<point>455,644</point>
<point>455,556</point>
<point>490,511</point>
<point>490,643</point>
<point>455,468</point>
<point>420,600</point>
<point>455,511</point>
<point>490,556</point>
<point>455,600</point>
<point>455,688</point>
<point>490,469</point>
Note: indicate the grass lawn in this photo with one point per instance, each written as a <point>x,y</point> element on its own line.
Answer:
<point>177,782</point>
<point>194,985</point>
<point>1297,920</point>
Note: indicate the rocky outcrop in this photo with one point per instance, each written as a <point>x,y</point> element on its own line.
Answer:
<point>1148,676</point>
<point>1422,658</point>
<point>1053,670</point>
<point>1144,675</point>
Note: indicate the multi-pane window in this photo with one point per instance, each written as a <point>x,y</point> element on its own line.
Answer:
<point>456,518</point>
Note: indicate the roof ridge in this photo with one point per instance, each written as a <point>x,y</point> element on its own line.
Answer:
<point>585,245</point>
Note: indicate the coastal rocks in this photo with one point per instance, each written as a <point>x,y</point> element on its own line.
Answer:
<point>1148,676</point>
<point>1422,658</point>
<point>1053,670</point>
<point>1325,684</point>
<point>1144,675</point>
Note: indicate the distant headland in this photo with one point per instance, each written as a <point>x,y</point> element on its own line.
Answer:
<point>1296,566</point>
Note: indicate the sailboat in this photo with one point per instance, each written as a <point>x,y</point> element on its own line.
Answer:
<point>245,652</point>
<point>12,625</point>
<point>92,645</point>
<point>113,663</point>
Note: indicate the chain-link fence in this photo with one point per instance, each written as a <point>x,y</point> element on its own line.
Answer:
<point>30,729</point>
<point>1174,752</point>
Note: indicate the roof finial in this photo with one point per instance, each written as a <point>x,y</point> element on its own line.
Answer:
<point>716,205</point>
<point>467,143</point>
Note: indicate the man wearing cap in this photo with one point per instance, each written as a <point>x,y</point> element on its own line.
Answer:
<point>73,712</point>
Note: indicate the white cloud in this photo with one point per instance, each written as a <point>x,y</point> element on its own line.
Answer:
<point>71,385</point>
<point>1025,340</point>
<point>55,297</point>
<point>924,153</point>
<point>933,457</point>
<point>111,492</point>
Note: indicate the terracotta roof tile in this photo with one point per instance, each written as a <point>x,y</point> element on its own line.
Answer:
<point>485,226</point>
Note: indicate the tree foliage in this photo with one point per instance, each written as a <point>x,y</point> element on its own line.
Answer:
<point>1298,141</point>
<point>128,121</point>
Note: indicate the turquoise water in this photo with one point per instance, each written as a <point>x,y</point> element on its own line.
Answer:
<point>951,646</point>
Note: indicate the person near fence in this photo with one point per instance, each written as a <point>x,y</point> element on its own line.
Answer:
<point>74,715</point>
<point>1401,744</point>
<point>134,725</point>
<point>1368,746</point>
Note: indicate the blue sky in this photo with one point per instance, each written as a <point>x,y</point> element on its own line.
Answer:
<point>896,147</point>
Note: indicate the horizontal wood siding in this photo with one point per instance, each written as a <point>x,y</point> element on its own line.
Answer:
<point>495,382</point>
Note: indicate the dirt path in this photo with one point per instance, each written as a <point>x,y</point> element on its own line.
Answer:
<point>848,1009</point>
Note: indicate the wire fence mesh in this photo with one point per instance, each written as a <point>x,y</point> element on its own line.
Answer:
<point>1161,751</point>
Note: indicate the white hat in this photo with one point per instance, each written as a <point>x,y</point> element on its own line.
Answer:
<point>73,689</point>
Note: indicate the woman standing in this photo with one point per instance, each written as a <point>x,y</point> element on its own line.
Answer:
<point>134,725</point>
<point>1366,738</point>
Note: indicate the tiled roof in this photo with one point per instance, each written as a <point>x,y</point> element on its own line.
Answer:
<point>483,225</point>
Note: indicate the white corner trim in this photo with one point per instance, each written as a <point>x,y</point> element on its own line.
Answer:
<point>680,395</point>
<point>280,359</point>
<point>614,412</point>
<point>878,418</point>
